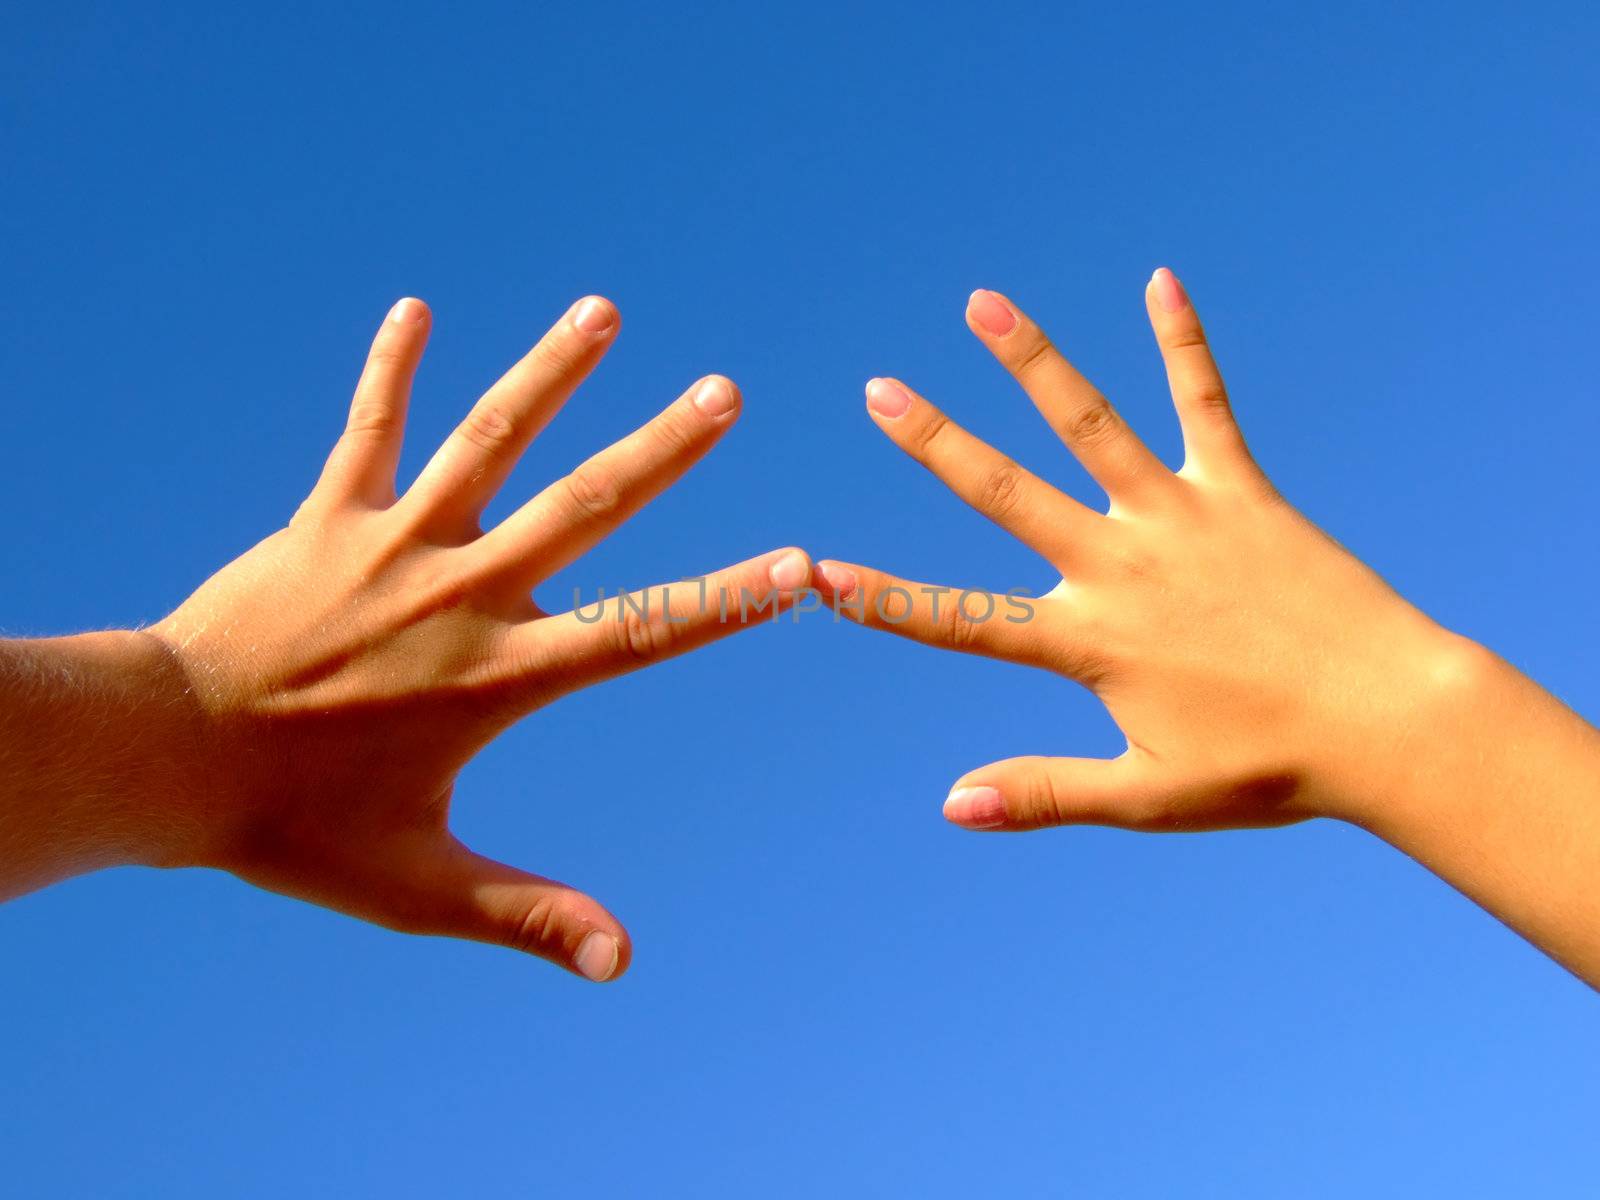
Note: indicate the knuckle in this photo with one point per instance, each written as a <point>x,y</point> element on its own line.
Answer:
<point>594,492</point>
<point>1091,425</point>
<point>955,629</point>
<point>1189,338</point>
<point>1211,398</point>
<point>642,638</point>
<point>372,416</point>
<point>1030,353</point>
<point>488,427</point>
<point>1041,800</point>
<point>926,435</point>
<point>557,354</point>
<point>538,930</point>
<point>1001,490</point>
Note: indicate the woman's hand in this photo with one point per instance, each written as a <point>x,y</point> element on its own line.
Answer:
<point>343,671</point>
<point>1261,674</point>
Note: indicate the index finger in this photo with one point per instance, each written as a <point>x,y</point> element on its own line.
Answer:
<point>627,631</point>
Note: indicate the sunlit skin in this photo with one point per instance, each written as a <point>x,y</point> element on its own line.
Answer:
<point>1261,674</point>
<point>300,720</point>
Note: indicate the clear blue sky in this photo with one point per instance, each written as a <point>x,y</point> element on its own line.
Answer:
<point>1388,220</point>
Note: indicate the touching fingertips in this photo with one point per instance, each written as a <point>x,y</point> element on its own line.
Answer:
<point>792,570</point>
<point>594,315</point>
<point>840,578</point>
<point>1169,292</point>
<point>408,312</point>
<point>991,314</point>
<point>887,398</point>
<point>975,807</point>
<point>597,957</point>
<point>715,397</point>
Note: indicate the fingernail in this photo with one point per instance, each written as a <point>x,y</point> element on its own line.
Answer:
<point>1169,292</point>
<point>790,571</point>
<point>407,311</point>
<point>597,956</point>
<point>887,398</point>
<point>975,807</point>
<point>715,398</point>
<point>593,316</point>
<point>991,314</point>
<point>840,578</point>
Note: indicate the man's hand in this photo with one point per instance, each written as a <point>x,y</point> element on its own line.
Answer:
<point>1261,674</point>
<point>337,676</point>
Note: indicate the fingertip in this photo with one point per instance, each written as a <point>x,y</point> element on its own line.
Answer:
<point>888,398</point>
<point>989,314</point>
<point>718,396</point>
<point>408,311</point>
<point>595,315</point>
<point>838,578</point>
<point>975,807</point>
<point>1169,292</point>
<point>789,569</point>
<point>599,957</point>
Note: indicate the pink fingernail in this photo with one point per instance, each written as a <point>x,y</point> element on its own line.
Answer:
<point>991,314</point>
<point>715,398</point>
<point>975,807</point>
<point>597,956</point>
<point>407,311</point>
<point>840,578</point>
<point>790,571</point>
<point>887,398</point>
<point>593,316</point>
<point>1169,292</point>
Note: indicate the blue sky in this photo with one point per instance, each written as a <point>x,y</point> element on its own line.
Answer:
<point>1386,218</point>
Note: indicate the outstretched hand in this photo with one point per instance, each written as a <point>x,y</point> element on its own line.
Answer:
<point>343,671</point>
<point>1260,673</point>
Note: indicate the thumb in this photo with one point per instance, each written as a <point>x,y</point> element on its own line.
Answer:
<point>1034,793</point>
<point>451,892</point>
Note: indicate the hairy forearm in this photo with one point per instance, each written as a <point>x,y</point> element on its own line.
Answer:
<point>1498,792</point>
<point>96,751</point>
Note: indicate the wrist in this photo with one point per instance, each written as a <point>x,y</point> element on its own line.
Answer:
<point>1429,705</point>
<point>174,798</point>
<point>116,737</point>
